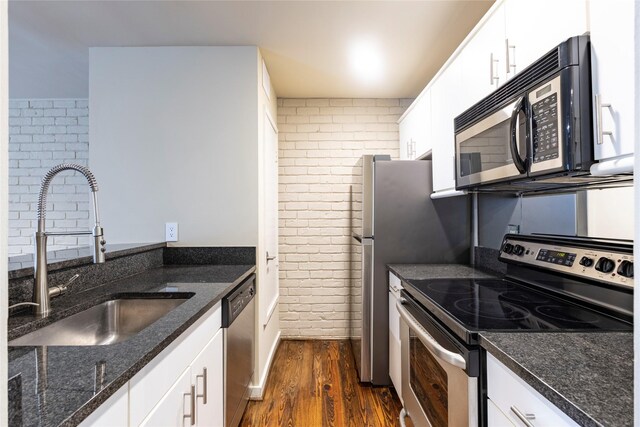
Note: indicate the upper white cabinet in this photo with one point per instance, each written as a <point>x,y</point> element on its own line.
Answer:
<point>532,28</point>
<point>446,93</point>
<point>482,59</point>
<point>415,128</point>
<point>612,61</point>
<point>513,35</point>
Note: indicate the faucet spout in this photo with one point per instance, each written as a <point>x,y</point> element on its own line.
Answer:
<point>41,292</point>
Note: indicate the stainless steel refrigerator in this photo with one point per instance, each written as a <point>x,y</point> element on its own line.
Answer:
<point>394,221</point>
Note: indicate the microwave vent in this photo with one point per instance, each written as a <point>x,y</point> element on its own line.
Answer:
<point>527,78</point>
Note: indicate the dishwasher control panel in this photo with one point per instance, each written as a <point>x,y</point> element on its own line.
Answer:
<point>237,300</point>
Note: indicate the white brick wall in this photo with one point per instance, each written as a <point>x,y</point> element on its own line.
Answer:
<point>42,134</point>
<point>320,141</point>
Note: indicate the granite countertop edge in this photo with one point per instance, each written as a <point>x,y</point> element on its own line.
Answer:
<point>439,271</point>
<point>82,412</point>
<point>564,404</point>
<point>85,260</point>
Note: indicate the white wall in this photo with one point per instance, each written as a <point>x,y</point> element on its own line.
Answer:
<point>173,135</point>
<point>610,213</point>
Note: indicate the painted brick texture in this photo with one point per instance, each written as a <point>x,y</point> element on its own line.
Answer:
<point>42,134</point>
<point>320,142</point>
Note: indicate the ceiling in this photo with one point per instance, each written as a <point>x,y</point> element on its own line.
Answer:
<point>306,44</point>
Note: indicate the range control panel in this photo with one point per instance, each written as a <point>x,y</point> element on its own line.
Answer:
<point>596,260</point>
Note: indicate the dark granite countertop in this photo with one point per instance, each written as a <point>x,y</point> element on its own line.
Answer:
<point>22,265</point>
<point>65,394</point>
<point>438,271</point>
<point>589,376</point>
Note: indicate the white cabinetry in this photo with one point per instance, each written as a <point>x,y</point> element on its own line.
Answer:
<point>415,128</point>
<point>612,61</point>
<point>174,381</point>
<point>515,399</point>
<point>113,412</point>
<point>445,94</point>
<point>534,28</point>
<point>395,366</point>
<point>513,35</point>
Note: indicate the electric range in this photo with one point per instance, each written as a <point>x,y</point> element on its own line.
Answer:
<point>553,283</point>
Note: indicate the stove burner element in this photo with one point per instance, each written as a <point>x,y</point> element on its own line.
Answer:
<point>526,297</point>
<point>567,314</point>
<point>467,287</point>
<point>491,309</point>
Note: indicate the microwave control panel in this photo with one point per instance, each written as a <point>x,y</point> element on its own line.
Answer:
<point>545,127</point>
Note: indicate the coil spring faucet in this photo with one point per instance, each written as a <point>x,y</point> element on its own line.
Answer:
<point>41,293</point>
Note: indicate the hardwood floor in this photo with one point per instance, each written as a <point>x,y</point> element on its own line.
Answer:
<point>314,383</point>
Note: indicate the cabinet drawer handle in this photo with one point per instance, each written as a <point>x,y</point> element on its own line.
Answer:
<point>525,418</point>
<point>192,414</point>
<point>204,385</point>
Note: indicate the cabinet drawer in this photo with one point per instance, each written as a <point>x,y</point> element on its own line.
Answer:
<point>510,393</point>
<point>153,381</point>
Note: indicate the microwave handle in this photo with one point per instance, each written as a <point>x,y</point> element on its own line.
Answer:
<point>521,105</point>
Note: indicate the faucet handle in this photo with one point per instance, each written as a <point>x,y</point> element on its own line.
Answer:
<point>55,291</point>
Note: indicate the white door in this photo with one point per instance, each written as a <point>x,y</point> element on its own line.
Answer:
<point>269,292</point>
<point>207,376</point>
<point>176,407</point>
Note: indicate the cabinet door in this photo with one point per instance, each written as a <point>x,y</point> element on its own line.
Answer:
<point>534,28</point>
<point>405,130</point>
<point>495,417</point>
<point>612,61</point>
<point>423,125</point>
<point>395,367</point>
<point>482,60</point>
<point>445,98</point>
<point>174,406</point>
<point>207,376</point>
<point>113,412</point>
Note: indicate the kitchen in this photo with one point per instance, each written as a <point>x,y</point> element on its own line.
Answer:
<point>304,292</point>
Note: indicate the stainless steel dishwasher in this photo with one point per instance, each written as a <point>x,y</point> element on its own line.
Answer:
<point>238,321</point>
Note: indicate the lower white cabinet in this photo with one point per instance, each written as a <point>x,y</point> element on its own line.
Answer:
<point>113,412</point>
<point>181,386</point>
<point>395,367</point>
<point>516,401</point>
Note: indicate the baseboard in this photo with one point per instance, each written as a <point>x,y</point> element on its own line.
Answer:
<point>256,391</point>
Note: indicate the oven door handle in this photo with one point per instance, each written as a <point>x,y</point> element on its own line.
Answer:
<point>439,351</point>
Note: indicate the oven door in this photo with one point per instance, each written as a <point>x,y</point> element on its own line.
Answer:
<point>494,149</point>
<point>436,388</point>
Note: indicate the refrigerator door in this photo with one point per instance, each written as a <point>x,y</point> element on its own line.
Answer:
<point>409,228</point>
<point>360,309</point>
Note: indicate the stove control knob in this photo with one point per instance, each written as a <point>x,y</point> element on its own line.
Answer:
<point>586,261</point>
<point>626,269</point>
<point>518,250</point>
<point>507,248</point>
<point>605,265</point>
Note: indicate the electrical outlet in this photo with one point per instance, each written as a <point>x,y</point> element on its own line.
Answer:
<point>171,231</point>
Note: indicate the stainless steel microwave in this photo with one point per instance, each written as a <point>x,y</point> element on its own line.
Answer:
<point>536,127</point>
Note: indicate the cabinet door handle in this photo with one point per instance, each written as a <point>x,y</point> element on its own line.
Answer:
<point>204,385</point>
<point>192,414</point>
<point>508,56</point>
<point>600,133</point>
<point>493,79</point>
<point>525,418</point>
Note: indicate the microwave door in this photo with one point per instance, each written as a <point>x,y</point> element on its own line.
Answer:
<point>484,152</point>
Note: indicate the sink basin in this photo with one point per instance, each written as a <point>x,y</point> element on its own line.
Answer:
<point>111,322</point>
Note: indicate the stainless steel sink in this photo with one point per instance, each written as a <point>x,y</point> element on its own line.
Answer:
<point>111,322</point>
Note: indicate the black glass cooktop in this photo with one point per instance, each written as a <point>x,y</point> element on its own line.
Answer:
<point>495,304</point>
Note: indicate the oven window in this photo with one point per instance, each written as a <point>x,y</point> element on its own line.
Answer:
<point>490,149</point>
<point>429,382</point>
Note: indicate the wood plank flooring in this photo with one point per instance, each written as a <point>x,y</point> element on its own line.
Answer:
<point>314,383</point>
